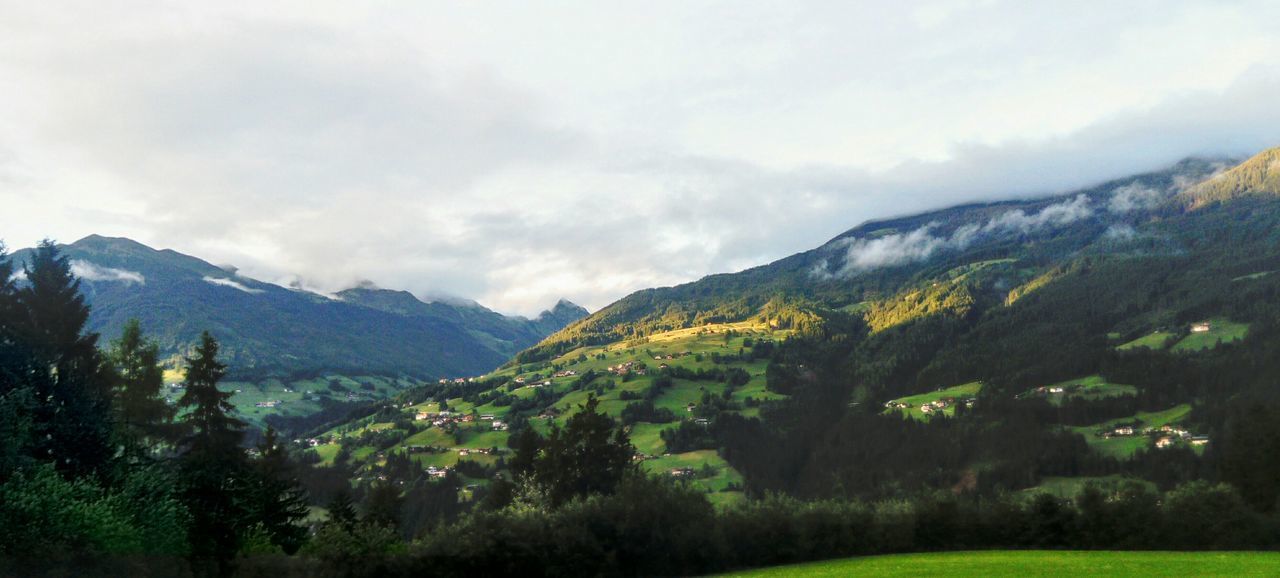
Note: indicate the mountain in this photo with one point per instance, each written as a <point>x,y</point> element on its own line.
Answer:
<point>878,258</point>
<point>1109,334</point>
<point>267,330</point>
<point>1259,175</point>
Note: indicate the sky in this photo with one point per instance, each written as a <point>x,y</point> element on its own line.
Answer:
<point>517,153</point>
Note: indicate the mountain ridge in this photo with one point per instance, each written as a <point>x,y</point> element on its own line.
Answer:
<point>269,330</point>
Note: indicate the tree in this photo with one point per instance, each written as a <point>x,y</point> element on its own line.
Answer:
<point>279,502</point>
<point>213,465</point>
<point>382,506</point>
<point>342,511</point>
<point>590,455</point>
<point>69,382</point>
<point>142,415</point>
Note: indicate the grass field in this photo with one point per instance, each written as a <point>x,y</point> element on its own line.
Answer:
<point>1091,387</point>
<point>693,348</point>
<point>1220,331</point>
<point>915,401</point>
<point>1124,447</point>
<point>1156,341</point>
<point>1039,563</point>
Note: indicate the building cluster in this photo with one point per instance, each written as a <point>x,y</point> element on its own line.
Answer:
<point>1166,436</point>
<point>936,405</point>
<point>632,367</point>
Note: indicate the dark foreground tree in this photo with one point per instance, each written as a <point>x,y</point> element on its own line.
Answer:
<point>590,455</point>
<point>214,467</point>
<point>142,415</point>
<point>69,382</point>
<point>278,501</point>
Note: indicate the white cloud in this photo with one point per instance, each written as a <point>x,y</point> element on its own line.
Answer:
<point>516,153</point>
<point>1133,196</point>
<point>90,272</point>
<point>862,254</point>
<point>1054,215</point>
<point>232,283</point>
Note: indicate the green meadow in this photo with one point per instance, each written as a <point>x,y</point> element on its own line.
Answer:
<point>1038,563</point>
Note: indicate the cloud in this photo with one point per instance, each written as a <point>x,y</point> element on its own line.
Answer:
<point>515,155</point>
<point>232,283</point>
<point>1133,196</point>
<point>920,244</point>
<point>90,272</point>
<point>1054,215</point>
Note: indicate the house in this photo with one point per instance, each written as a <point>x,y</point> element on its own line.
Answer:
<point>1056,390</point>
<point>486,416</point>
<point>468,418</point>
<point>499,425</point>
<point>681,472</point>
<point>1203,327</point>
<point>1164,442</point>
<point>1199,440</point>
<point>702,421</point>
<point>422,415</point>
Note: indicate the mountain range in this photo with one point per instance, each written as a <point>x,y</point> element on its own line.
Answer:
<point>271,331</point>
<point>1099,335</point>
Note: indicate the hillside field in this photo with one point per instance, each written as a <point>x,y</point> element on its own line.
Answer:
<point>1038,563</point>
<point>559,383</point>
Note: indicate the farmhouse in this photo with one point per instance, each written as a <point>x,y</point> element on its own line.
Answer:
<point>1203,327</point>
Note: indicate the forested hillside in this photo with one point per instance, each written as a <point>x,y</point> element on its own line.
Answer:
<point>1114,334</point>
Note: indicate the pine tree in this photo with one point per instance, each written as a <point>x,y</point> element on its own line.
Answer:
<point>68,380</point>
<point>214,467</point>
<point>342,511</point>
<point>280,503</point>
<point>142,416</point>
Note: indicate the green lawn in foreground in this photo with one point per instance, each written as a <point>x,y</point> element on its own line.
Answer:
<point>1039,563</point>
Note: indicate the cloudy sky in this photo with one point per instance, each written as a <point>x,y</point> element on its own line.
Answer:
<point>519,152</point>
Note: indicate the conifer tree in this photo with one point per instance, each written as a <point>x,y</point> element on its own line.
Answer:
<point>69,382</point>
<point>142,416</point>
<point>214,466</point>
<point>280,503</point>
<point>342,511</point>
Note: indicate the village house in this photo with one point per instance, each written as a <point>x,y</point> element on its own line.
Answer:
<point>1202,327</point>
<point>1164,442</point>
<point>499,425</point>
<point>682,472</point>
<point>422,416</point>
<point>1199,440</point>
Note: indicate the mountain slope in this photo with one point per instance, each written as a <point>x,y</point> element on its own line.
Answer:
<point>267,330</point>
<point>1106,332</point>
<point>1257,176</point>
